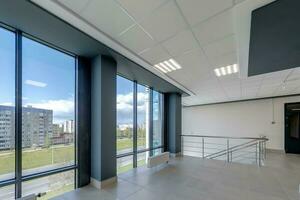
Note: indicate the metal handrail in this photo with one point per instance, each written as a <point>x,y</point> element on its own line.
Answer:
<point>231,148</point>
<point>234,150</point>
<point>226,137</point>
<point>258,142</point>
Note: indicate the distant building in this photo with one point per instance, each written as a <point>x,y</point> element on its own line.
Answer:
<point>7,127</point>
<point>37,127</point>
<point>57,129</point>
<point>69,126</point>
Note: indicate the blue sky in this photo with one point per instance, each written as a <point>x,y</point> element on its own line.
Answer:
<point>48,77</point>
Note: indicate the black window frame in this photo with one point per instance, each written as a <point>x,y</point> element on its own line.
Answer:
<point>19,178</point>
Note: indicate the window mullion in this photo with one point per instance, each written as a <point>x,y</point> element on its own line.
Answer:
<point>18,116</point>
<point>135,124</point>
<point>151,121</point>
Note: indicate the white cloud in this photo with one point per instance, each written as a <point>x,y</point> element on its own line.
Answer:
<point>63,109</point>
<point>125,102</point>
<point>58,106</point>
<point>6,104</point>
<point>125,106</point>
<point>35,83</point>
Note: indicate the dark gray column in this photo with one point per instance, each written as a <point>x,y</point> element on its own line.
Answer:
<point>173,122</point>
<point>83,115</point>
<point>103,119</point>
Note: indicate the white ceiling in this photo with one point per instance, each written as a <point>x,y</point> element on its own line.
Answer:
<point>200,35</point>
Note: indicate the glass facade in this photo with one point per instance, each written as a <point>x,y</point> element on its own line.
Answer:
<point>139,114</point>
<point>39,112</point>
<point>48,108</point>
<point>124,116</point>
<point>143,109</point>
<point>157,118</point>
<point>7,105</point>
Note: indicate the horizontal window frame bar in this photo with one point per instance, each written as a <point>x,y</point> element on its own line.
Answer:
<point>7,182</point>
<point>139,151</point>
<point>48,173</point>
<point>29,177</point>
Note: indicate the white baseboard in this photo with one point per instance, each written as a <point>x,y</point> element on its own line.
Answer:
<point>275,151</point>
<point>100,184</point>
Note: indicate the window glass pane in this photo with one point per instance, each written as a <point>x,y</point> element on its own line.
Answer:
<point>157,151</point>
<point>48,108</point>
<point>124,115</point>
<point>157,119</point>
<point>7,104</point>
<point>7,192</point>
<point>53,185</point>
<point>143,117</point>
<point>124,164</point>
<point>142,159</point>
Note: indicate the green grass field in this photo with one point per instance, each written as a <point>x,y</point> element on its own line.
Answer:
<point>41,157</point>
<point>128,143</point>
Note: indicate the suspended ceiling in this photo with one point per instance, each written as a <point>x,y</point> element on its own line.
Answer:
<point>200,35</point>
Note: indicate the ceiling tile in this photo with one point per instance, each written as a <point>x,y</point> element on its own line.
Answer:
<point>181,43</point>
<point>221,47</point>
<point>253,81</point>
<point>140,8</point>
<point>215,28</point>
<point>155,55</point>
<point>223,60</point>
<point>196,62</point>
<point>164,22</point>
<point>230,80</point>
<point>136,39</point>
<point>107,16</point>
<point>272,81</point>
<point>233,91</point>
<point>292,83</point>
<point>295,74</point>
<point>267,90</point>
<point>76,6</point>
<point>196,11</point>
<point>238,1</point>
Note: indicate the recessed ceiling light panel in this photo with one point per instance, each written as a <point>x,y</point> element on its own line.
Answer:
<point>168,66</point>
<point>223,71</point>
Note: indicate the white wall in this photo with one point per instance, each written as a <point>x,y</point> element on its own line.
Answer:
<point>249,119</point>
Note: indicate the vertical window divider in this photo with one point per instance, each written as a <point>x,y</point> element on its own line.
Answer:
<point>162,120</point>
<point>18,115</point>
<point>151,121</point>
<point>135,137</point>
<point>76,124</point>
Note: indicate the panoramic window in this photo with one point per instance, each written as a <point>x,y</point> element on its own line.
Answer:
<point>135,139</point>
<point>48,108</point>
<point>48,118</point>
<point>157,119</point>
<point>143,116</point>
<point>7,108</point>
<point>143,111</point>
<point>124,122</point>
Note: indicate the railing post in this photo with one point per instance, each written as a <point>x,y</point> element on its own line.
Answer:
<point>203,147</point>
<point>256,153</point>
<point>259,153</point>
<point>228,150</point>
<point>265,150</point>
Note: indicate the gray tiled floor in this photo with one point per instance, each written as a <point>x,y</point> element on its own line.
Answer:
<point>194,178</point>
